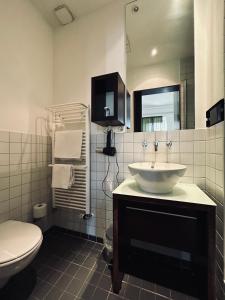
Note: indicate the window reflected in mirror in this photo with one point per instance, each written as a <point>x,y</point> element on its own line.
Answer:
<point>158,109</point>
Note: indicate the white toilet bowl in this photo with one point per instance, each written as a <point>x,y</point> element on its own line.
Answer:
<point>19,244</point>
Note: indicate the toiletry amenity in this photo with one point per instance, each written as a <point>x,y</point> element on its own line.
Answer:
<point>62,176</point>
<point>68,144</point>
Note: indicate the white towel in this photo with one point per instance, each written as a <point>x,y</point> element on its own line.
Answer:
<point>68,144</point>
<point>62,176</point>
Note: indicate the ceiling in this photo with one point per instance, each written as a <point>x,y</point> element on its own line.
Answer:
<point>78,8</point>
<point>167,25</point>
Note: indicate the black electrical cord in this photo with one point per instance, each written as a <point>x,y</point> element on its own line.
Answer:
<point>107,173</point>
<point>103,181</point>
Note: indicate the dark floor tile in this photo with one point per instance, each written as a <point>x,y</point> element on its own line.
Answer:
<point>123,289</point>
<point>132,292</point>
<point>99,246</point>
<point>53,261</point>
<point>41,289</point>
<point>67,296</point>
<point>100,294</point>
<point>44,272</point>
<point>90,244</point>
<point>62,265</point>
<point>95,253</point>
<point>134,281</point>
<point>100,265</point>
<point>86,292</point>
<point>158,297</point>
<point>114,297</point>
<point>162,291</point>
<point>125,278</point>
<point>63,281</point>
<point>79,259</point>
<point>69,255</point>
<point>146,295</point>
<point>89,262</point>
<point>178,296</point>
<point>53,276</point>
<point>54,294</point>
<point>32,298</point>
<point>82,273</point>
<point>147,285</point>
<point>72,269</point>
<point>107,271</point>
<point>105,283</point>
<point>93,277</point>
<point>74,286</point>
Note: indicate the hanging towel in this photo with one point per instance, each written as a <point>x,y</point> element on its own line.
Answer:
<point>68,144</point>
<point>62,176</point>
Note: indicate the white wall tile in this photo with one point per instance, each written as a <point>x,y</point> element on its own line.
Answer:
<point>139,157</point>
<point>187,135</point>
<point>200,146</point>
<point>175,148</point>
<point>128,148</point>
<point>219,130</point>
<point>186,147</point>
<point>186,158</point>
<point>200,159</point>
<point>219,162</point>
<point>4,136</point>
<point>4,147</point>
<point>199,171</point>
<point>219,146</point>
<point>15,137</point>
<point>174,158</point>
<point>128,138</point>
<point>219,178</point>
<point>139,137</point>
<point>174,135</point>
<point>189,171</point>
<point>138,147</point>
<point>161,136</point>
<point>150,137</point>
<point>200,134</point>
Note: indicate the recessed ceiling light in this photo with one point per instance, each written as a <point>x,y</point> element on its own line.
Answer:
<point>154,52</point>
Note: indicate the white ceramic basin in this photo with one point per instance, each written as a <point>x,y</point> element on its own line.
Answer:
<point>158,178</point>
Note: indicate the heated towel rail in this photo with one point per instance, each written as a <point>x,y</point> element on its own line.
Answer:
<point>73,116</point>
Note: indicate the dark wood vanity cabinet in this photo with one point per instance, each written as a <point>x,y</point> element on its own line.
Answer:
<point>169,243</point>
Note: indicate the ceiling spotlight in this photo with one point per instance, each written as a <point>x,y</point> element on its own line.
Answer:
<point>154,52</point>
<point>64,14</point>
<point>135,8</point>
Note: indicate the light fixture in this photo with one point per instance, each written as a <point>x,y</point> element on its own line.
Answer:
<point>135,8</point>
<point>154,52</point>
<point>64,14</point>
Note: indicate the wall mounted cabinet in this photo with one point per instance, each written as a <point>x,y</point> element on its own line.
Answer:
<point>108,100</point>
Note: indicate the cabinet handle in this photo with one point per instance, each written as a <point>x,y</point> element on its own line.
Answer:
<point>162,213</point>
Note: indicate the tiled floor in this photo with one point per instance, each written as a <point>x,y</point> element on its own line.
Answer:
<point>71,268</point>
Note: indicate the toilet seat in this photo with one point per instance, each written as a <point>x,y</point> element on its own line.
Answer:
<point>17,240</point>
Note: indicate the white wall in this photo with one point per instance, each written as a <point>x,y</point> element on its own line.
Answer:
<point>26,60</point>
<point>92,45</point>
<point>209,60</point>
<point>154,76</point>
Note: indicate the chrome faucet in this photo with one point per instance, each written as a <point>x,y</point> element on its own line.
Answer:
<point>156,145</point>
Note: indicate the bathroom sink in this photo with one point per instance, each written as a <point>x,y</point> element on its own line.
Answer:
<point>158,178</point>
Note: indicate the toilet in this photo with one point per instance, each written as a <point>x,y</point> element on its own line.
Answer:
<point>19,244</point>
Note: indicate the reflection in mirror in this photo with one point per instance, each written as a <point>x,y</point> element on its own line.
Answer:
<point>160,64</point>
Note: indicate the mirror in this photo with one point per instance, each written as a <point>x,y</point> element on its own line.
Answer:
<point>160,64</point>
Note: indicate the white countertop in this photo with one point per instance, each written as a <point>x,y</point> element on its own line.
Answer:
<point>182,192</point>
